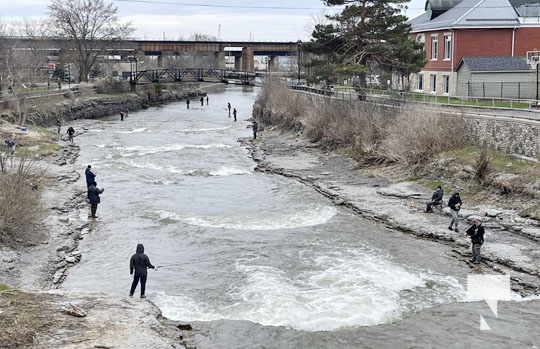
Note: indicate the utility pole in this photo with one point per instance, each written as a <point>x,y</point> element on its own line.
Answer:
<point>537,83</point>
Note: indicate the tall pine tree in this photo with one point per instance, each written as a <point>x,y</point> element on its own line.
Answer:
<point>365,34</point>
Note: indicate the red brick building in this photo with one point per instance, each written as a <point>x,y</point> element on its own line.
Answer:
<point>453,29</point>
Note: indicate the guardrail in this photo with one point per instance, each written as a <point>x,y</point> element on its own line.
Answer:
<point>513,108</point>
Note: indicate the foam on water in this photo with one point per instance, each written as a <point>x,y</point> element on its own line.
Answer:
<point>306,217</point>
<point>347,288</point>
<point>222,171</point>
<point>136,130</point>
<point>141,150</point>
<point>197,130</point>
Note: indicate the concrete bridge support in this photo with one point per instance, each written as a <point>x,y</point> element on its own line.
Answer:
<point>247,59</point>
<point>273,64</point>
<point>220,60</point>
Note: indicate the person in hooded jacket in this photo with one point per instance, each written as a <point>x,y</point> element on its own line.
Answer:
<point>93,196</point>
<point>139,263</point>
<point>90,176</point>
<point>455,205</point>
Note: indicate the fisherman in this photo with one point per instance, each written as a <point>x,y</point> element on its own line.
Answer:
<point>90,176</point>
<point>139,263</point>
<point>476,233</point>
<point>93,196</point>
<point>70,132</point>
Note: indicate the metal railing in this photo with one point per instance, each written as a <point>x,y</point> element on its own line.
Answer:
<point>507,107</point>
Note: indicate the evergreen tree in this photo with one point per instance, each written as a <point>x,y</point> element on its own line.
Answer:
<point>366,33</point>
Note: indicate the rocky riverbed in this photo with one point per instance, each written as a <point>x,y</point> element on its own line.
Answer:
<point>511,246</point>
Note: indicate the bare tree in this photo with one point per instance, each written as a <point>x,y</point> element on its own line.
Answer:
<point>91,26</point>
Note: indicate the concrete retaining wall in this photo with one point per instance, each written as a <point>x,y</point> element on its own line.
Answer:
<point>513,136</point>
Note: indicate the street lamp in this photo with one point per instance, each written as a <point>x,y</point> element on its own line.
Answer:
<point>299,58</point>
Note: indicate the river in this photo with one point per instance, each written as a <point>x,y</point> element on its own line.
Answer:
<point>239,251</point>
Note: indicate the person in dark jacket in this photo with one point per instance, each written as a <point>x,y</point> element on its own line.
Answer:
<point>139,263</point>
<point>70,132</point>
<point>93,196</point>
<point>436,199</point>
<point>90,176</point>
<point>476,233</point>
<point>234,113</point>
<point>58,125</point>
<point>455,205</point>
<point>255,128</point>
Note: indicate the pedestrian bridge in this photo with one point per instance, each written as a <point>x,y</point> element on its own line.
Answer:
<point>196,75</point>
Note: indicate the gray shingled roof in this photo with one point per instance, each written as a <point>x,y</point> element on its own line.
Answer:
<point>479,64</point>
<point>470,13</point>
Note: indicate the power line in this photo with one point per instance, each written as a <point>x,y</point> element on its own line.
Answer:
<point>157,2</point>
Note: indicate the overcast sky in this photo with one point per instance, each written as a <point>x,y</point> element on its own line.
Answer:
<point>242,20</point>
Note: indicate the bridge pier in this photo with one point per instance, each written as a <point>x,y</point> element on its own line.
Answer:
<point>273,64</point>
<point>220,60</point>
<point>247,59</point>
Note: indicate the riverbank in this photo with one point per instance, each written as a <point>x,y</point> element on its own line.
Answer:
<point>32,309</point>
<point>511,242</point>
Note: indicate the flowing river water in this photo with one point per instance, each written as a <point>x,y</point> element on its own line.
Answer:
<point>234,244</point>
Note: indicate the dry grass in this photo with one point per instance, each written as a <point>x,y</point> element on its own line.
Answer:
<point>20,199</point>
<point>276,97</point>
<point>415,136</point>
<point>374,134</point>
<point>21,320</point>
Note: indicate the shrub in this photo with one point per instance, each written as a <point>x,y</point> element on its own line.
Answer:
<point>276,96</point>
<point>481,171</point>
<point>374,134</point>
<point>112,86</point>
<point>416,135</point>
<point>20,199</point>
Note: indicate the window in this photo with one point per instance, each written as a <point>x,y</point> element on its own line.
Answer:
<point>434,41</point>
<point>446,84</point>
<point>420,82</point>
<point>421,39</point>
<point>433,83</point>
<point>447,47</point>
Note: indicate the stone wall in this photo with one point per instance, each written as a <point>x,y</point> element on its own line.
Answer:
<point>45,113</point>
<point>513,136</point>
